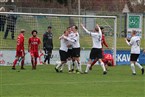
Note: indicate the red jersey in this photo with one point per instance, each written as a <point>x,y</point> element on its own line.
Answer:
<point>34,43</point>
<point>104,41</point>
<point>108,57</point>
<point>20,42</point>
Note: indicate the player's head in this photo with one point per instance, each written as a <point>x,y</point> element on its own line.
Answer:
<point>22,31</point>
<point>69,29</point>
<point>133,33</point>
<point>34,33</point>
<point>109,63</point>
<point>49,28</point>
<point>74,28</point>
<point>66,33</point>
<point>102,29</point>
<point>96,29</point>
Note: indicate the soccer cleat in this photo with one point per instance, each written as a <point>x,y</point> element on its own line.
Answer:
<point>133,73</point>
<point>13,68</point>
<point>105,72</point>
<point>142,70</point>
<point>56,70</point>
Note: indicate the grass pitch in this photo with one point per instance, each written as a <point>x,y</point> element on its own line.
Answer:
<point>45,82</point>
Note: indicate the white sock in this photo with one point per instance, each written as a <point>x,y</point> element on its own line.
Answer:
<point>80,66</point>
<point>62,67</point>
<point>69,65</point>
<point>77,65</point>
<point>58,65</point>
<point>87,67</point>
<point>133,68</point>
<point>103,66</point>
<point>137,64</point>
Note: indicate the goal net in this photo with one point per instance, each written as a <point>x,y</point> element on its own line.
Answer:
<point>59,23</point>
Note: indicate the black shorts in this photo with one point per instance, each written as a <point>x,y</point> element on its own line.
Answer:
<point>69,53</point>
<point>63,55</point>
<point>76,52</point>
<point>96,53</point>
<point>134,57</point>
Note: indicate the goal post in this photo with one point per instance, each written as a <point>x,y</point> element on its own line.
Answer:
<point>59,23</point>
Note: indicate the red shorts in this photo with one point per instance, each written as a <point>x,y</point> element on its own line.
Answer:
<point>34,54</point>
<point>20,53</point>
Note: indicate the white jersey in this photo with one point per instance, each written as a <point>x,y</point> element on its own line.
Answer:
<point>63,45</point>
<point>96,38</point>
<point>71,36</point>
<point>76,44</point>
<point>135,45</point>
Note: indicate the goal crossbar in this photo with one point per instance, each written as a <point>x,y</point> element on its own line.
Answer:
<point>59,15</point>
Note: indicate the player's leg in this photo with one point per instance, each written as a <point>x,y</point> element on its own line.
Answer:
<point>92,57</point>
<point>138,65</point>
<point>12,31</point>
<point>133,68</point>
<point>22,63</point>
<point>103,66</point>
<point>49,55</point>
<point>132,63</point>
<point>15,62</point>
<point>6,32</point>
<point>63,58</point>
<point>45,56</point>
<point>93,63</point>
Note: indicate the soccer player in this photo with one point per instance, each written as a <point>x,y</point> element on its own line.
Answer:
<point>11,23</point>
<point>76,49</point>
<point>20,53</point>
<point>62,51</point>
<point>108,60</point>
<point>103,43</point>
<point>135,51</point>
<point>96,51</point>
<point>33,47</point>
<point>48,44</point>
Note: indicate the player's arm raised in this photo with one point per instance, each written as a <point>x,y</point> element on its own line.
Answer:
<point>88,32</point>
<point>128,43</point>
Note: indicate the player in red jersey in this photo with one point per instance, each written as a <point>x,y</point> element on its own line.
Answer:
<point>20,53</point>
<point>103,43</point>
<point>108,60</point>
<point>33,47</point>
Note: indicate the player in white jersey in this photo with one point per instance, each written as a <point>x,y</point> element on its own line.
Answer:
<point>62,51</point>
<point>135,51</point>
<point>96,51</point>
<point>76,48</point>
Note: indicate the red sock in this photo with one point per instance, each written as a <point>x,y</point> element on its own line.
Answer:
<point>32,61</point>
<point>22,63</point>
<point>35,62</point>
<point>93,63</point>
<point>15,62</point>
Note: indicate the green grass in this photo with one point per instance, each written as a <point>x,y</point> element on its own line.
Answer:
<point>45,82</point>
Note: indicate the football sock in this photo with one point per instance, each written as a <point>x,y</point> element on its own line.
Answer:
<point>22,63</point>
<point>69,65</point>
<point>137,64</point>
<point>58,65</point>
<point>80,66</point>
<point>15,62</point>
<point>133,68</point>
<point>87,67</point>
<point>103,66</point>
<point>62,67</point>
<point>93,63</point>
